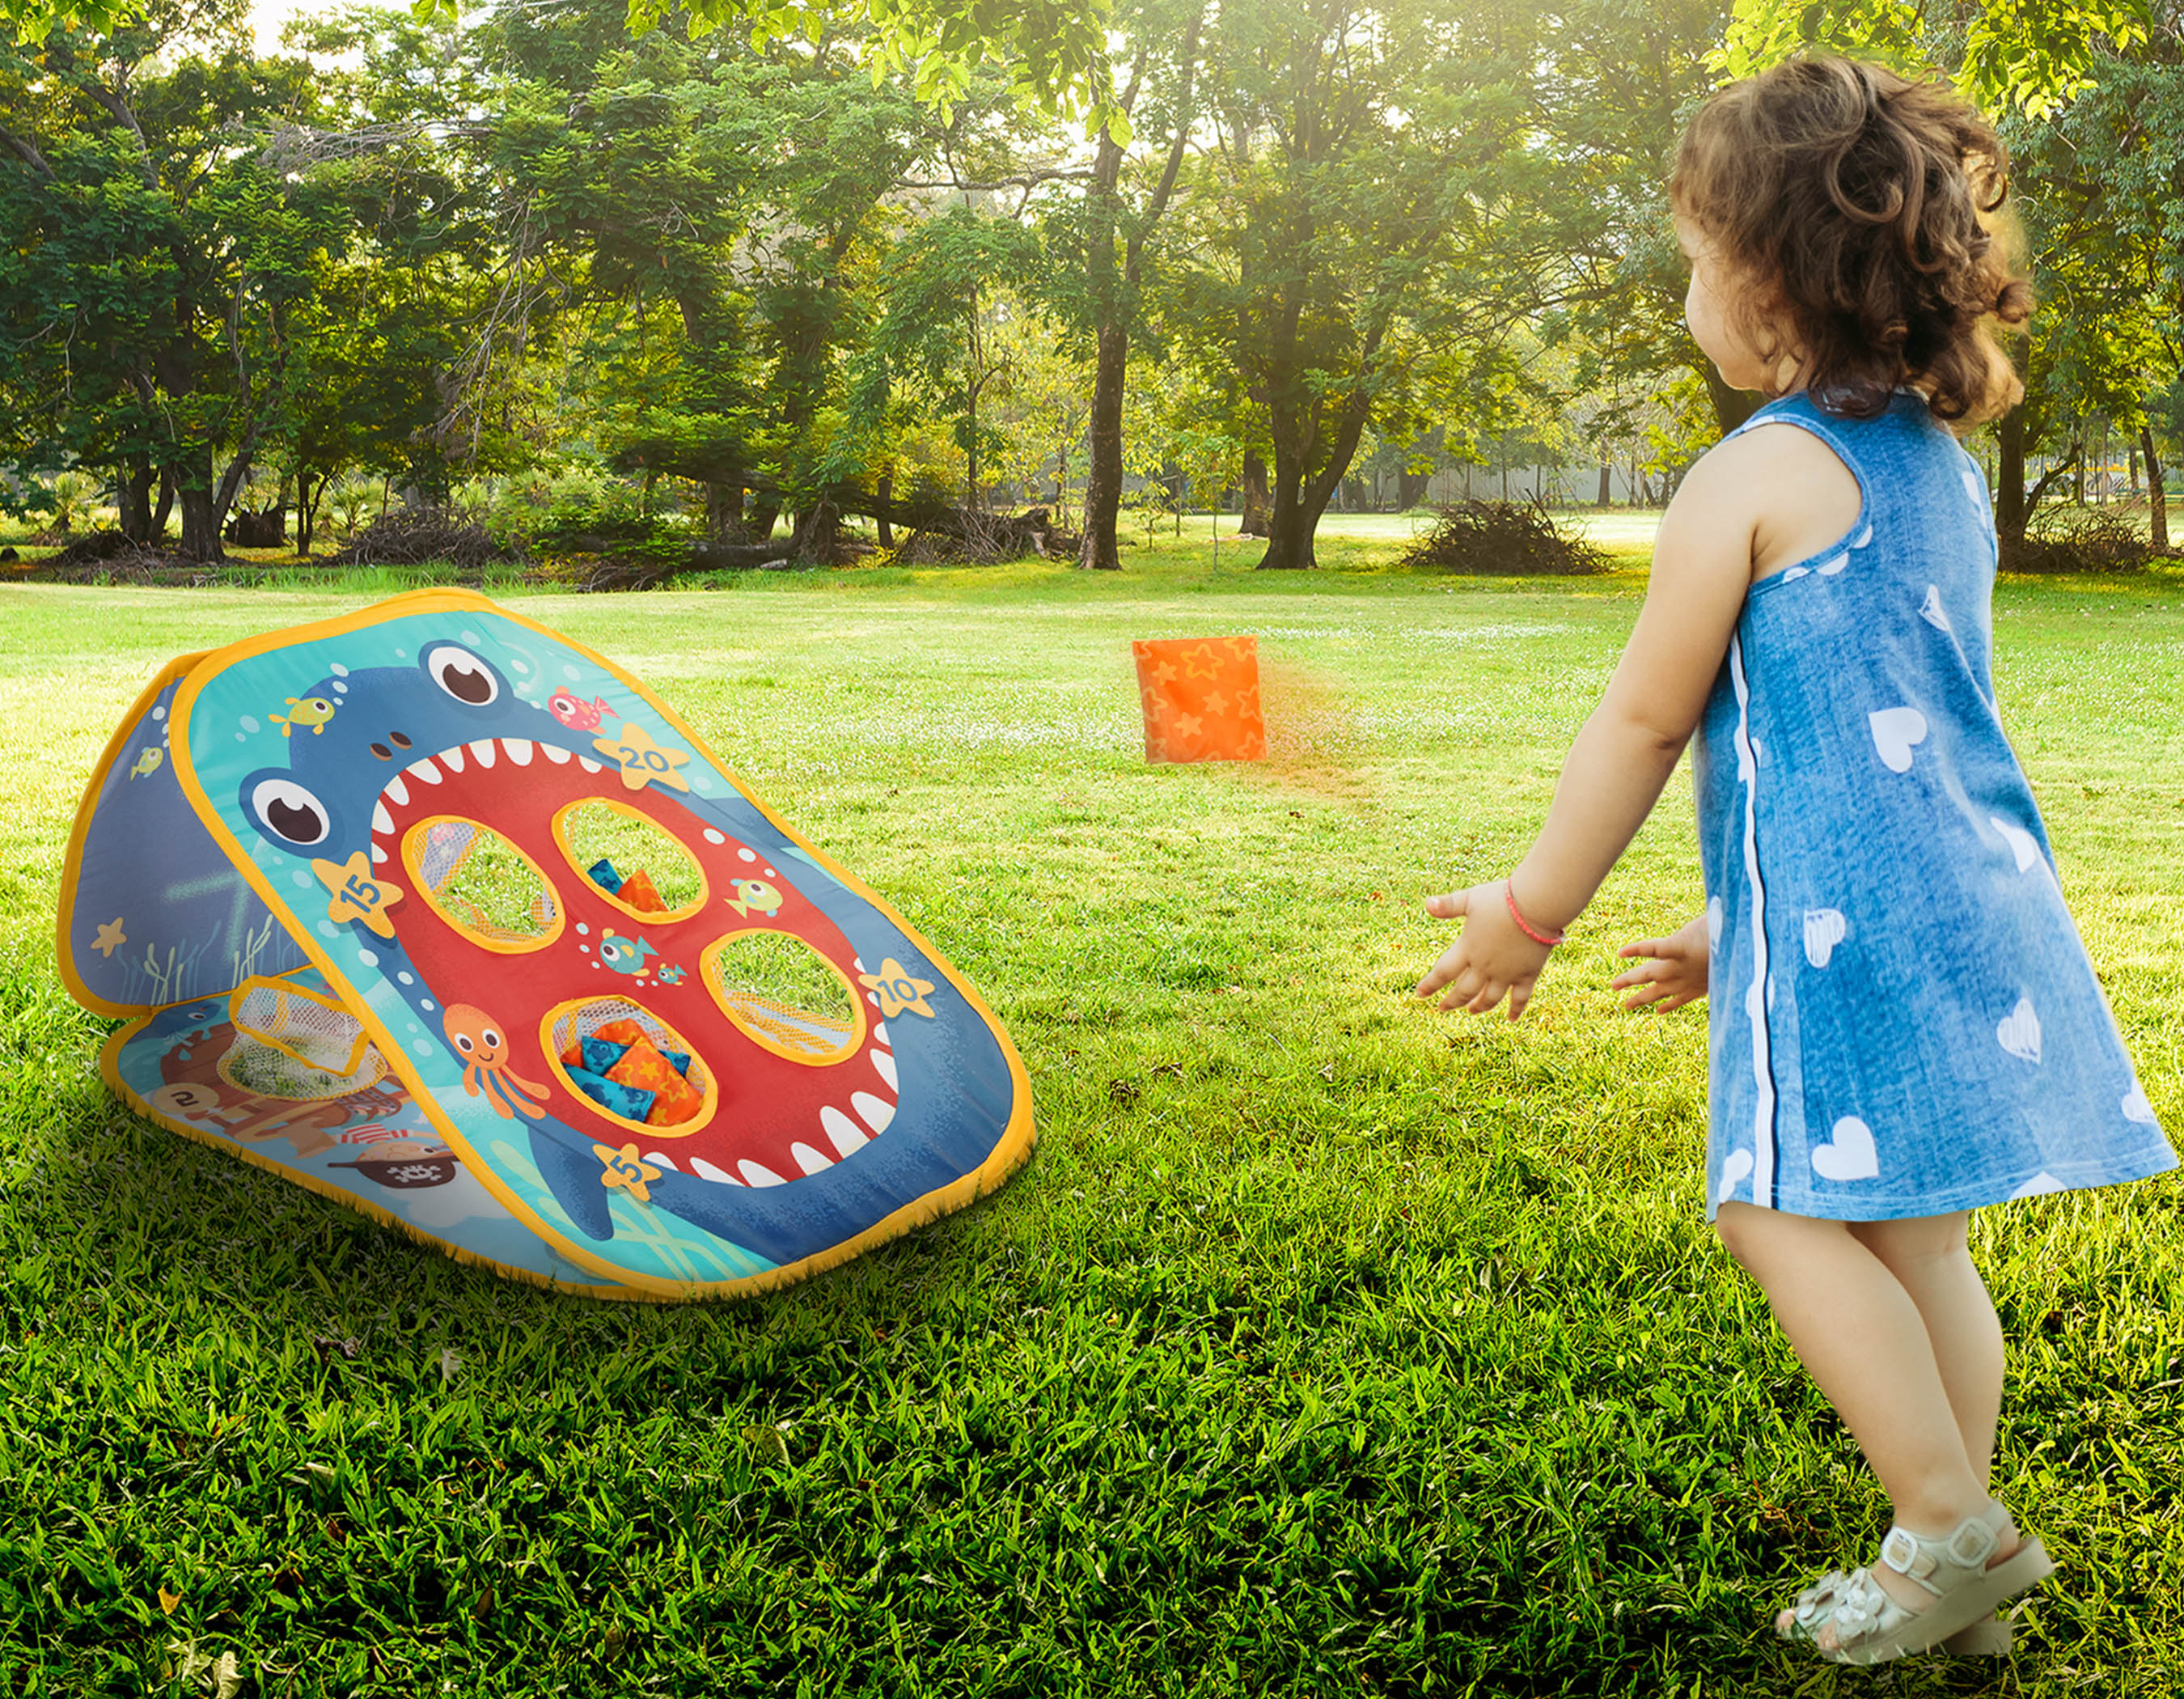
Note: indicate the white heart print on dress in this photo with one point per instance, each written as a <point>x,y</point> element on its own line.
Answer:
<point>1895,733</point>
<point>2019,1032</point>
<point>1714,921</point>
<point>1824,929</point>
<point>2022,843</point>
<point>1932,612</point>
<point>2039,1186</point>
<point>1851,1156</point>
<point>1974,488</point>
<point>1733,1174</point>
<point>2136,1108</point>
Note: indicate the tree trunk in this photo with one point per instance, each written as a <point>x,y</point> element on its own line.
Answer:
<point>201,514</point>
<point>724,510</point>
<point>1103,476</point>
<point>166,508</point>
<point>132,490</point>
<point>1257,517</point>
<point>886,493</point>
<point>2009,514</point>
<point>2156,495</point>
<point>1601,500</point>
<point>1731,407</point>
<point>307,509</point>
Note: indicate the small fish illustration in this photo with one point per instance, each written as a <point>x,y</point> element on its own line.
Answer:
<point>625,955</point>
<point>671,976</point>
<point>310,711</point>
<point>754,894</point>
<point>577,716</point>
<point>147,762</point>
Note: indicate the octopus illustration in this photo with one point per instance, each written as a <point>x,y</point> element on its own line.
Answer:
<point>478,1039</point>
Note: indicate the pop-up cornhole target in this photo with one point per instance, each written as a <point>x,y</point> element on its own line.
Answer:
<point>1202,698</point>
<point>433,911</point>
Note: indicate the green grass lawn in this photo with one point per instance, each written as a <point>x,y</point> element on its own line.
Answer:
<point>1328,1346</point>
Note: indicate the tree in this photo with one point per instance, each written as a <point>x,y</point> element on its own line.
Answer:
<point>154,319</point>
<point>1361,159</point>
<point>1099,285</point>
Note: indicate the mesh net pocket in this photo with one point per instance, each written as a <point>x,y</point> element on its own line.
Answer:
<point>785,994</point>
<point>294,1046</point>
<point>481,884</point>
<point>617,1021</point>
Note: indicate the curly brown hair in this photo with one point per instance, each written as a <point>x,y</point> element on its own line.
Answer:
<point>1861,208</point>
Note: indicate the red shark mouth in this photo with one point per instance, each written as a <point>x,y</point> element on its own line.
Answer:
<point>776,1119</point>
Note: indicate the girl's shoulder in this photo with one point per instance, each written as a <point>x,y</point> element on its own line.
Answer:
<point>1803,490</point>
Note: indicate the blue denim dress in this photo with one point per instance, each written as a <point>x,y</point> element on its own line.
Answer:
<point>1902,1021</point>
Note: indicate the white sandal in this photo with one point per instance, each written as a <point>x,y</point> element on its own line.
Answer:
<point>1871,1627</point>
<point>1990,1637</point>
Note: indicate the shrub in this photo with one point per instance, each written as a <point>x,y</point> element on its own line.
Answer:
<point>2079,539</point>
<point>416,537</point>
<point>1502,537</point>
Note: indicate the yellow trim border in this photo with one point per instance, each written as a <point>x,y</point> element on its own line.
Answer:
<point>696,1123</point>
<point>423,890</point>
<point>658,917</point>
<point>708,961</point>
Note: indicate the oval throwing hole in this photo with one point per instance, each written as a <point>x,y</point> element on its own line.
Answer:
<point>784,996</point>
<point>639,853</point>
<point>616,1020</point>
<point>481,885</point>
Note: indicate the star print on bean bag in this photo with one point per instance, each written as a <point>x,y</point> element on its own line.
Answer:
<point>1202,698</point>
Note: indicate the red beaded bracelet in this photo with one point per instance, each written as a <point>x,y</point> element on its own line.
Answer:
<point>1516,914</point>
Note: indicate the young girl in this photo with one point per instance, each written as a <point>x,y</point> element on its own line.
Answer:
<point>1904,1025</point>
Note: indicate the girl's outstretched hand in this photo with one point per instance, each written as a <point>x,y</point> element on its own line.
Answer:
<point>1675,975</point>
<point>1492,959</point>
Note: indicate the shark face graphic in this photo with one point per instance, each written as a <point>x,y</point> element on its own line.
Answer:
<point>783,1131</point>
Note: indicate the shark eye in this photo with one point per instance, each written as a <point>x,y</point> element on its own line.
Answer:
<point>462,675</point>
<point>289,812</point>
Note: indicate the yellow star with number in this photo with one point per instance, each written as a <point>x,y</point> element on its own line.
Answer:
<point>354,894</point>
<point>109,938</point>
<point>898,991</point>
<point>641,762</point>
<point>626,1171</point>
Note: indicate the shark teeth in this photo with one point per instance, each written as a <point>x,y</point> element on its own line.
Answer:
<point>485,749</point>
<point>382,821</point>
<point>878,1111</point>
<point>809,1160</point>
<point>398,790</point>
<point>555,754</point>
<point>848,1137</point>
<point>884,1066</point>
<point>518,749</point>
<point>453,756</point>
<point>422,768</point>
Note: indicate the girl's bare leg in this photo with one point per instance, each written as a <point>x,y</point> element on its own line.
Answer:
<point>1862,1336</point>
<point>1929,1260</point>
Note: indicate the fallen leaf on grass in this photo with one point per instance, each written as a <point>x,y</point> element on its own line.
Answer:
<point>1123,1090</point>
<point>769,1444</point>
<point>168,1601</point>
<point>1327,1072</point>
<point>336,1345</point>
<point>450,1364</point>
<point>227,1677</point>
